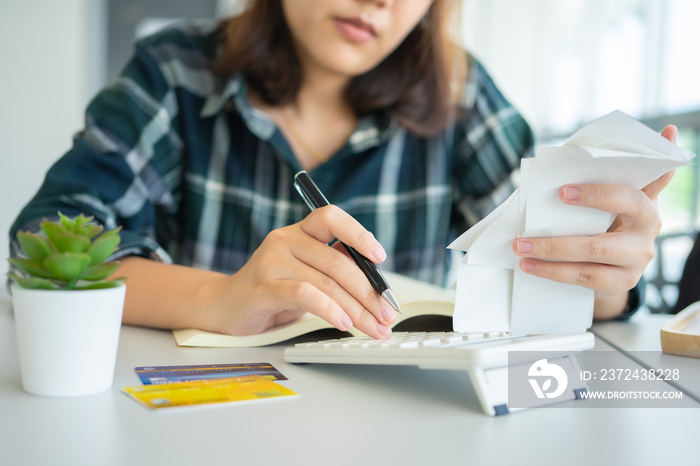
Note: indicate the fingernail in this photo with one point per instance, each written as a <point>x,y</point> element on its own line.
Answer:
<point>527,266</point>
<point>378,253</point>
<point>345,323</point>
<point>383,330</point>
<point>388,314</point>
<point>524,246</point>
<point>571,193</point>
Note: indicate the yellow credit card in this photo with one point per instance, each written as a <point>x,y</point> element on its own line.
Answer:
<point>202,392</point>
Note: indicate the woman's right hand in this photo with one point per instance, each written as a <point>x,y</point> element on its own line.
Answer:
<point>294,271</point>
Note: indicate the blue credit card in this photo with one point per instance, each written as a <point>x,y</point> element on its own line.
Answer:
<point>151,375</point>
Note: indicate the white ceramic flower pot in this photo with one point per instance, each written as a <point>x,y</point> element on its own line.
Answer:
<point>67,340</point>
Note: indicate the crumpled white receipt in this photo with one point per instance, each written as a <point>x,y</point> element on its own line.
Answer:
<point>493,294</point>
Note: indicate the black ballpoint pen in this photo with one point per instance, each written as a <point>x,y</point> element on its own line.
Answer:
<point>314,199</point>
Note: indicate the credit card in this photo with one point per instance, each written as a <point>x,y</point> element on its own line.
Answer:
<point>206,392</point>
<point>150,375</point>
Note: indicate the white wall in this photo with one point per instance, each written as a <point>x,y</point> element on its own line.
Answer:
<point>500,34</point>
<point>45,84</point>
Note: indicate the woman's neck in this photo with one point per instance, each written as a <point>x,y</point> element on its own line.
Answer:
<point>319,120</point>
<point>322,93</point>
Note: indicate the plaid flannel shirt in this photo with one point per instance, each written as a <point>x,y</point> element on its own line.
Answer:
<point>195,175</point>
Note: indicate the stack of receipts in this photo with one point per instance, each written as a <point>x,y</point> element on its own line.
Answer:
<point>493,294</point>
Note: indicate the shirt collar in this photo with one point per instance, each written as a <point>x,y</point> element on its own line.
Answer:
<point>371,131</point>
<point>216,101</point>
<point>235,94</point>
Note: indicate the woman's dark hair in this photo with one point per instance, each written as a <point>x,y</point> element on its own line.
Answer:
<point>420,82</point>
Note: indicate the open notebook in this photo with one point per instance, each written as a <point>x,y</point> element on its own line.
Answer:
<point>416,298</point>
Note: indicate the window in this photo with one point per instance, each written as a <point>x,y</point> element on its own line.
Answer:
<point>563,63</point>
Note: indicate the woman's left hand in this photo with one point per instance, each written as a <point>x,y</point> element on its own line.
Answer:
<point>610,263</point>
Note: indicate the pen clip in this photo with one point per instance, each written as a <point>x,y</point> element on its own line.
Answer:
<point>309,192</point>
<point>304,196</point>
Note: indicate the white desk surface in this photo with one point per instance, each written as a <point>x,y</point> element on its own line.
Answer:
<point>640,339</point>
<point>345,415</point>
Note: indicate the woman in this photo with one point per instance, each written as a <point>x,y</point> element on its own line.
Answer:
<point>194,149</point>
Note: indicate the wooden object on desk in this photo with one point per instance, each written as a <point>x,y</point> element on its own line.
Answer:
<point>681,335</point>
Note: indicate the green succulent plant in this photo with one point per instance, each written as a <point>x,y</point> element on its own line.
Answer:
<point>69,255</point>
